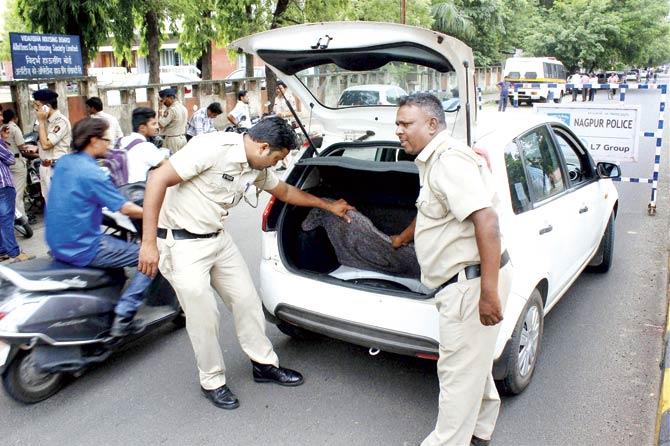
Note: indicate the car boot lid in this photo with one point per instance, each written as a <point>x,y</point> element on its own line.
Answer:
<point>360,46</point>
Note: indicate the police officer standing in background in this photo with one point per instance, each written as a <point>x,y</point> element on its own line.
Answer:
<point>55,135</point>
<point>19,170</point>
<point>196,187</point>
<point>459,249</point>
<point>172,119</point>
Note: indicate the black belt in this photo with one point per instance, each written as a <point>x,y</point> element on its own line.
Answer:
<point>474,271</point>
<point>183,234</point>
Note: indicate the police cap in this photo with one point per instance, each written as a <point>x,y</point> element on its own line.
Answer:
<point>167,92</point>
<point>45,95</point>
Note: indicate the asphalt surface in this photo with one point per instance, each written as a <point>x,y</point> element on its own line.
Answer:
<point>596,382</point>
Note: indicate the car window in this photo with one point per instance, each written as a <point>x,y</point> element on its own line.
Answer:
<point>359,97</point>
<point>516,177</point>
<point>543,166</point>
<point>577,163</point>
<point>530,75</point>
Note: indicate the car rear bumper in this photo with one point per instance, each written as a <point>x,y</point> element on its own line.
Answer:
<point>359,334</point>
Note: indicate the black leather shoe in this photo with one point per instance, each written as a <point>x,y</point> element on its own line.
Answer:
<point>476,441</point>
<point>222,397</point>
<point>264,373</point>
<point>126,325</point>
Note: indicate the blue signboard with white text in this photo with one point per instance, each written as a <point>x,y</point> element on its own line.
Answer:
<point>45,56</point>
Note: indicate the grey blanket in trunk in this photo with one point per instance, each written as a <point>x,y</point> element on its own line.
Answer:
<point>361,245</point>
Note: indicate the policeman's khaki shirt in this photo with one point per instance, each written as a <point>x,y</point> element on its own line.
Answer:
<point>173,119</point>
<point>59,134</point>
<point>216,175</point>
<point>15,139</point>
<point>454,183</point>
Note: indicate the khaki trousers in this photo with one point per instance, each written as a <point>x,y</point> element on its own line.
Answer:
<point>45,180</point>
<point>197,268</point>
<point>19,176</point>
<point>469,400</point>
<point>174,143</point>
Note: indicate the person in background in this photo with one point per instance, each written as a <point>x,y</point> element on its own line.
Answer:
<point>240,115</point>
<point>141,153</point>
<point>593,80</point>
<point>172,120</point>
<point>94,110</point>
<point>503,86</point>
<point>576,81</point>
<point>613,80</point>
<point>585,90</point>
<point>54,132</point>
<point>202,120</point>
<point>19,169</point>
<point>9,248</point>
<point>73,224</point>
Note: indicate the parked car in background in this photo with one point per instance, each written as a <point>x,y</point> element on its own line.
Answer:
<point>240,73</point>
<point>362,95</point>
<point>557,214</point>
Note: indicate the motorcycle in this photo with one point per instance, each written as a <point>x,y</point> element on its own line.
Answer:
<point>21,224</point>
<point>55,318</point>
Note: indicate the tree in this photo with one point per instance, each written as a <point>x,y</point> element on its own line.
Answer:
<point>13,24</point>
<point>87,19</point>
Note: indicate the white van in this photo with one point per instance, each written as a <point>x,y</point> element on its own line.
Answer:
<point>535,74</point>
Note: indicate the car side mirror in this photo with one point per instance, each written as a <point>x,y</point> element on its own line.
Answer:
<point>608,170</point>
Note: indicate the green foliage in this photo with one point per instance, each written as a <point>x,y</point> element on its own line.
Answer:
<point>89,19</point>
<point>13,24</point>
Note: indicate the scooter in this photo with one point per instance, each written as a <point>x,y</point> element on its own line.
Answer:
<point>55,319</point>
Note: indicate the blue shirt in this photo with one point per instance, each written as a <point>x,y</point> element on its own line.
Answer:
<point>79,190</point>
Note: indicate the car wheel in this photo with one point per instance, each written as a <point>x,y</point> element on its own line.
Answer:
<point>294,331</point>
<point>525,347</point>
<point>24,382</point>
<point>605,251</point>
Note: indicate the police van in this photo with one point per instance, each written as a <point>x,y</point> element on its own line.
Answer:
<point>535,76</point>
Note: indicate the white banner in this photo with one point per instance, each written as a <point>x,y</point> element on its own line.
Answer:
<point>610,131</point>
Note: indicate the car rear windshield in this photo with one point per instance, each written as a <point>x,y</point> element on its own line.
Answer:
<point>336,87</point>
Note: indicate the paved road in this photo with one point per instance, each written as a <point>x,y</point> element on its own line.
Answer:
<point>596,384</point>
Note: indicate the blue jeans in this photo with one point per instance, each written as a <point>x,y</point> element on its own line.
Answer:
<point>115,253</point>
<point>502,102</point>
<point>8,243</point>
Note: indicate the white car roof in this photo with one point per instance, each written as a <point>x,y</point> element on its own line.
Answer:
<point>372,87</point>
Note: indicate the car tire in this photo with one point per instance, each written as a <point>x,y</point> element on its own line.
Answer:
<point>607,248</point>
<point>26,384</point>
<point>525,345</point>
<point>294,331</point>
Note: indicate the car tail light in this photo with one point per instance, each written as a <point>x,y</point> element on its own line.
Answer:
<point>427,356</point>
<point>266,214</point>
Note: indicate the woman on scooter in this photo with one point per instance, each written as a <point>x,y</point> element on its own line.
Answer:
<point>73,224</point>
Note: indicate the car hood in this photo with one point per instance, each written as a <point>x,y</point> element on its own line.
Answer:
<point>360,46</point>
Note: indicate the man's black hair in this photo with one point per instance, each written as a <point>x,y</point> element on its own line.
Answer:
<point>95,103</point>
<point>275,131</point>
<point>215,107</point>
<point>241,94</point>
<point>8,115</point>
<point>141,116</point>
<point>428,103</point>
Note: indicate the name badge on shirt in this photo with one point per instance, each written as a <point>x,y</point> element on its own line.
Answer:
<point>228,177</point>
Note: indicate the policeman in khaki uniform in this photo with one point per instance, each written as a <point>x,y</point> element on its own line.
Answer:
<point>196,187</point>
<point>55,134</point>
<point>19,169</point>
<point>172,119</point>
<point>460,252</point>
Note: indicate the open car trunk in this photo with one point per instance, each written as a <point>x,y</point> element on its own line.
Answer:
<point>384,192</point>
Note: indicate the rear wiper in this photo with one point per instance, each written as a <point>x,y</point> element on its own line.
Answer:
<point>368,133</point>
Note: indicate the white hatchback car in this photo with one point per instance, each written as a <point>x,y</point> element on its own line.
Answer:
<point>363,95</point>
<point>557,215</point>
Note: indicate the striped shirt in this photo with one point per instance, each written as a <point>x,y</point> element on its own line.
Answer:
<point>6,159</point>
<point>200,123</point>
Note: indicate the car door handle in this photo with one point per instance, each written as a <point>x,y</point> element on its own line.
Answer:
<point>547,229</point>
<point>584,209</point>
